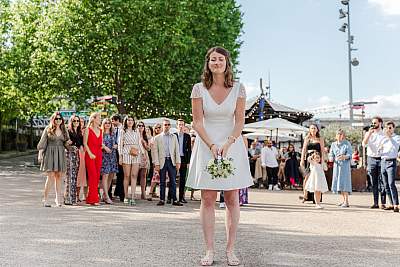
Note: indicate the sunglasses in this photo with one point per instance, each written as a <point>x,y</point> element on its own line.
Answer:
<point>107,123</point>
<point>58,119</point>
<point>167,124</point>
<point>140,125</point>
<point>75,121</point>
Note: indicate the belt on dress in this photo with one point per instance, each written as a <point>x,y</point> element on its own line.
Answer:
<point>378,158</point>
<point>392,159</point>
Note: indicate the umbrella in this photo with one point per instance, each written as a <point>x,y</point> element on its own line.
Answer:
<point>263,136</point>
<point>274,124</point>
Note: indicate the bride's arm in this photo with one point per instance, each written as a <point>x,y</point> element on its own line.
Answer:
<point>239,120</point>
<point>198,113</point>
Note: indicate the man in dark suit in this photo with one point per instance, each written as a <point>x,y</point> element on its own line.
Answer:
<point>119,187</point>
<point>185,151</point>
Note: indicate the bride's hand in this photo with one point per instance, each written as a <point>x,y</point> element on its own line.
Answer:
<point>224,149</point>
<point>214,151</point>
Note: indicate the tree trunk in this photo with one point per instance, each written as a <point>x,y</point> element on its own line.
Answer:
<point>1,130</point>
<point>118,89</point>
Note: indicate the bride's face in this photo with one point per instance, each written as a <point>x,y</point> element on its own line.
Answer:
<point>217,63</point>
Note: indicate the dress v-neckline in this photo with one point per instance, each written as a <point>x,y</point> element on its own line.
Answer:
<point>97,136</point>
<point>222,100</point>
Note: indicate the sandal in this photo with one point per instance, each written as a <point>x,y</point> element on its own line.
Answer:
<point>232,259</point>
<point>208,259</point>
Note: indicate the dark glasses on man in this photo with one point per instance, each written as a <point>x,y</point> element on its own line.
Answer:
<point>167,124</point>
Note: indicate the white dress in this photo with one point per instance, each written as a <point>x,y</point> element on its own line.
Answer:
<point>219,121</point>
<point>317,180</point>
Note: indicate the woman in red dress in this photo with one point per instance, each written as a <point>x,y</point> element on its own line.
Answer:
<point>93,141</point>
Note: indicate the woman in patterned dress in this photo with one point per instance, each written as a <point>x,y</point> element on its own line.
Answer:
<point>129,152</point>
<point>155,177</point>
<point>144,158</point>
<point>52,155</point>
<point>75,134</point>
<point>82,179</point>
<point>109,165</point>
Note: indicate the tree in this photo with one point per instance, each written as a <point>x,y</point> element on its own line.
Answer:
<point>353,135</point>
<point>148,53</point>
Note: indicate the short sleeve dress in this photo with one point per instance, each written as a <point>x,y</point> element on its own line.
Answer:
<point>219,121</point>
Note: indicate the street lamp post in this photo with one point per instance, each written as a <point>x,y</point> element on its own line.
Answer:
<point>350,41</point>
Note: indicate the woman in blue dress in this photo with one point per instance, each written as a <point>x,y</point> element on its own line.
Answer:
<point>109,165</point>
<point>340,153</point>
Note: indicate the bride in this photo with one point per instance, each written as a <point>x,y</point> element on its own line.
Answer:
<point>218,106</point>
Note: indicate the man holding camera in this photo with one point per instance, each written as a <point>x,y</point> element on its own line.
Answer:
<point>373,139</point>
<point>389,149</point>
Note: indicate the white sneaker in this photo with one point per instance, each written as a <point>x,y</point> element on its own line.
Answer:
<point>270,187</point>
<point>276,187</point>
<point>318,207</point>
<point>222,205</point>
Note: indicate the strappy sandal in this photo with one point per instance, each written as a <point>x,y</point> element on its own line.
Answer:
<point>232,259</point>
<point>208,259</point>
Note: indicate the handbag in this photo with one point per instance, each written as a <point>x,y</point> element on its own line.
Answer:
<point>134,151</point>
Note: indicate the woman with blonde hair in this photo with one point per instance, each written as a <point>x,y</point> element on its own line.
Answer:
<point>340,153</point>
<point>93,142</point>
<point>109,166</point>
<point>129,156</point>
<point>52,155</point>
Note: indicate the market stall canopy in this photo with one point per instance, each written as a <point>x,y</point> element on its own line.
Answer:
<point>273,124</point>
<point>261,136</point>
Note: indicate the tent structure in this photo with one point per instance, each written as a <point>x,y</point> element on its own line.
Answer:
<point>261,108</point>
<point>160,120</point>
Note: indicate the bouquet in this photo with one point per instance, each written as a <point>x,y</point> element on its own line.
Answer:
<point>220,168</point>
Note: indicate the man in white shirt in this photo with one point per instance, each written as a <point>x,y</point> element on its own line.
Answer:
<point>372,140</point>
<point>269,156</point>
<point>167,160</point>
<point>389,149</point>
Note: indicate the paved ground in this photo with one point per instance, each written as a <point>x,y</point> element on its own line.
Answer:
<point>275,230</point>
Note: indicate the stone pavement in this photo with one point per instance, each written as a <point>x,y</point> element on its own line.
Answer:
<point>275,230</point>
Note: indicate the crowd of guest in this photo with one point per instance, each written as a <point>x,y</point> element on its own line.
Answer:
<point>285,167</point>
<point>92,156</point>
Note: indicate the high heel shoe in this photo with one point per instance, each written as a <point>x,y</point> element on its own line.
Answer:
<point>232,259</point>
<point>208,259</point>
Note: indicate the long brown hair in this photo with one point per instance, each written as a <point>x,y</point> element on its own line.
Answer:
<point>51,130</point>
<point>317,134</point>
<point>207,77</point>
<point>71,124</point>
<point>126,122</point>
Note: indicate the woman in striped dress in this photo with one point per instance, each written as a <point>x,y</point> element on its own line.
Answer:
<point>129,151</point>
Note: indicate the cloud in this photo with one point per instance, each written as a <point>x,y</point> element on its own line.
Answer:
<point>325,106</point>
<point>388,7</point>
<point>388,106</point>
<point>251,90</point>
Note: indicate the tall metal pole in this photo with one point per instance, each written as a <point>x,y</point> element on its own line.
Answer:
<point>349,41</point>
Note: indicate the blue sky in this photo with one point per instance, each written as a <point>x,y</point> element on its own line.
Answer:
<point>298,41</point>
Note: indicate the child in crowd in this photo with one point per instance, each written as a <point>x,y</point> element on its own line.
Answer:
<point>317,181</point>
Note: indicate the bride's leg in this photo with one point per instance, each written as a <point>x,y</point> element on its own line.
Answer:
<point>207,216</point>
<point>232,217</point>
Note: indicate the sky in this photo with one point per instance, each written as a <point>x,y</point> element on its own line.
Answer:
<point>299,44</point>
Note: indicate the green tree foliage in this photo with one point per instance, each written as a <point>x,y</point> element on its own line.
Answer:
<point>148,53</point>
<point>353,135</point>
